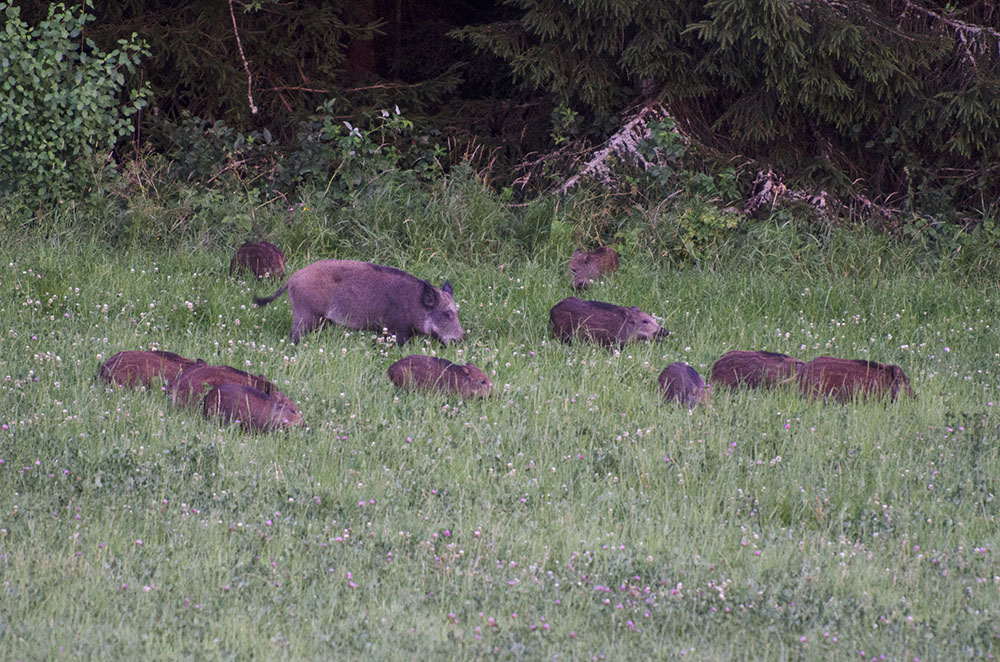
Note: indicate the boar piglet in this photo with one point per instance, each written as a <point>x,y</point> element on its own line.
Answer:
<point>586,267</point>
<point>603,323</point>
<point>753,369</point>
<point>429,372</point>
<point>846,379</point>
<point>264,260</point>
<point>141,368</point>
<point>252,408</point>
<point>361,295</point>
<point>192,384</point>
<point>682,383</point>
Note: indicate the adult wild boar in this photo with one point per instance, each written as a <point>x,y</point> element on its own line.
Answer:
<point>429,372</point>
<point>753,369</point>
<point>846,379</point>
<point>253,409</point>
<point>361,295</point>
<point>586,267</point>
<point>682,383</point>
<point>141,368</point>
<point>603,323</point>
<point>263,259</point>
<point>192,384</point>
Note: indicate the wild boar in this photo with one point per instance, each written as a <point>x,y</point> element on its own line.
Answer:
<point>586,267</point>
<point>263,259</point>
<point>603,323</point>
<point>682,383</point>
<point>428,372</point>
<point>361,295</point>
<point>141,368</point>
<point>192,384</point>
<point>252,408</point>
<point>753,369</point>
<point>846,379</point>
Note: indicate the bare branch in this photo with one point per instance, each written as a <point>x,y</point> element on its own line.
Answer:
<point>246,65</point>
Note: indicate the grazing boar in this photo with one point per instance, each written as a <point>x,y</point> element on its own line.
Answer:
<point>428,372</point>
<point>252,408</point>
<point>192,384</point>
<point>846,379</point>
<point>263,259</point>
<point>753,369</point>
<point>682,383</point>
<point>586,267</point>
<point>141,368</point>
<point>361,295</point>
<point>603,323</point>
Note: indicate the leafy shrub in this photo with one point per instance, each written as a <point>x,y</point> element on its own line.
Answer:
<point>328,153</point>
<point>61,112</point>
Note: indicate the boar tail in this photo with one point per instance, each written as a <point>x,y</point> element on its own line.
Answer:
<point>263,301</point>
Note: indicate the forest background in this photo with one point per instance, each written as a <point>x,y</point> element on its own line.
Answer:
<point>680,123</point>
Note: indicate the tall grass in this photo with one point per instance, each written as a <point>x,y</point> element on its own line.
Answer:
<point>573,515</point>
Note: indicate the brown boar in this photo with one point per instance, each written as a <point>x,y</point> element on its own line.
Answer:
<point>586,267</point>
<point>753,369</point>
<point>264,260</point>
<point>252,408</point>
<point>361,295</point>
<point>192,384</point>
<point>429,372</point>
<point>603,323</point>
<point>682,383</point>
<point>141,368</point>
<point>846,379</point>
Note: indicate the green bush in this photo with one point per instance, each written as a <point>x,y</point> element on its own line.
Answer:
<point>61,111</point>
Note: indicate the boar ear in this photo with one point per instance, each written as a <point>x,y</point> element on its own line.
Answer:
<point>429,297</point>
<point>446,287</point>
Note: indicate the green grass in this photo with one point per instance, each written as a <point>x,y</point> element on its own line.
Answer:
<point>572,516</point>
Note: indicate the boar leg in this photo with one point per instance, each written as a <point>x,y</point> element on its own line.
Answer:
<point>303,323</point>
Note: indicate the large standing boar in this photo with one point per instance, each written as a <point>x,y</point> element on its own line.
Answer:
<point>603,323</point>
<point>361,295</point>
<point>263,259</point>
<point>429,372</point>
<point>846,379</point>
<point>682,383</point>
<point>585,268</point>
<point>253,409</point>
<point>753,369</point>
<point>192,384</point>
<point>140,368</point>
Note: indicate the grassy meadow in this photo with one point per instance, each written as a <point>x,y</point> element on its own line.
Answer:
<point>572,516</point>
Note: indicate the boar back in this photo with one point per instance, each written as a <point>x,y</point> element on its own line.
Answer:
<point>428,372</point>
<point>847,379</point>
<point>753,369</point>
<point>603,323</point>
<point>192,384</point>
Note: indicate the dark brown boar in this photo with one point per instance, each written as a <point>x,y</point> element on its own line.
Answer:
<point>682,383</point>
<point>429,372</point>
<point>264,260</point>
<point>361,295</point>
<point>141,368</point>
<point>252,408</point>
<point>603,323</point>
<point>192,384</point>
<point>847,379</point>
<point>753,369</point>
<point>586,267</point>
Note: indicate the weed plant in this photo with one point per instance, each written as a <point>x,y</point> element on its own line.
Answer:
<point>574,515</point>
